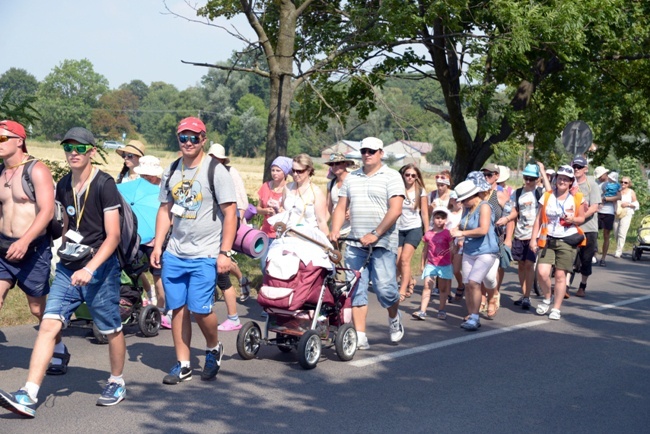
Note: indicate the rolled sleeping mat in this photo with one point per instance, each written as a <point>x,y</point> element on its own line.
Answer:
<point>250,241</point>
<point>250,212</point>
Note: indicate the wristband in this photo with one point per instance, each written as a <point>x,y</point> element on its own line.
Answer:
<point>87,270</point>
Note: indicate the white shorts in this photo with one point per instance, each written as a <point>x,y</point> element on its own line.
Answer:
<point>481,269</point>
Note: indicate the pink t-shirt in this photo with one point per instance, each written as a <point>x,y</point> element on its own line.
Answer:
<point>438,243</point>
<point>266,194</point>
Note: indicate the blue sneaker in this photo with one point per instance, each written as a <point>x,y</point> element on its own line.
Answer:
<point>18,402</point>
<point>212,363</point>
<point>178,374</point>
<point>113,394</point>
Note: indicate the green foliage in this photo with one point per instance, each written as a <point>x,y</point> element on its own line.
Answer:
<point>58,168</point>
<point>20,83</point>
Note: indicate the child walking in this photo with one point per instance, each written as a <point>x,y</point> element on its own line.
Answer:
<point>438,242</point>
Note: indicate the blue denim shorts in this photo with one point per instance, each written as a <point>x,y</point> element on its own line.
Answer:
<point>33,272</point>
<point>380,269</point>
<point>101,295</point>
<point>441,271</point>
<point>189,282</point>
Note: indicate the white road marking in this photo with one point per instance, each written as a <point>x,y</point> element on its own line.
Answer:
<point>433,346</point>
<point>621,303</point>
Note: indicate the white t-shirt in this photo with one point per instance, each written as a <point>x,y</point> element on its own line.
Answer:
<point>527,213</point>
<point>555,209</point>
<point>410,218</point>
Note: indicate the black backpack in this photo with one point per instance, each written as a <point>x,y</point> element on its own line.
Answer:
<point>55,228</point>
<point>538,195</point>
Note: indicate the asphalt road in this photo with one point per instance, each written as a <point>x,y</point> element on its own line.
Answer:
<point>588,372</point>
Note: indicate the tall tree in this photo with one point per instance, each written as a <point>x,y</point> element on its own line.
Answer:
<point>113,114</point>
<point>67,96</point>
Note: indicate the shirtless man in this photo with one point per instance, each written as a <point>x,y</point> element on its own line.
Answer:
<point>25,254</point>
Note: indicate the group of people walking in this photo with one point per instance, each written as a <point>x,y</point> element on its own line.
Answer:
<point>471,232</point>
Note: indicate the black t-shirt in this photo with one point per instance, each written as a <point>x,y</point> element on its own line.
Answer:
<point>102,196</point>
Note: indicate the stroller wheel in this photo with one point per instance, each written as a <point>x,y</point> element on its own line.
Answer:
<point>101,338</point>
<point>149,321</point>
<point>309,348</point>
<point>346,342</point>
<point>282,346</point>
<point>249,340</point>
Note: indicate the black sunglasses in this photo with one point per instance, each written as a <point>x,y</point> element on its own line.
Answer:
<point>489,174</point>
<point>183,138</point>
<point>366,151</point>
<point>128,156</point>
<point>529,179</point>
<point>299,171</point>
<point>576,167</point>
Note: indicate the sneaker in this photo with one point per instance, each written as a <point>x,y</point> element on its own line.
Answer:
<point>229,326</point>
<point>362,344</point>
<point>442,314</point>
<point>245,289</point>
<point>520,301</point>
<point>525,303</point>
<point>166,321</point>
<point>396,328</point>
<point>113,393</point>
<point>471,325</point>
<point>436,291</point>
<point>18,402</point>
<point>555,314</point>
<point>542,308</point>
<point>594,260</point>
<point>178,375</point>
<point>212,363</point>
<point>419,315</point>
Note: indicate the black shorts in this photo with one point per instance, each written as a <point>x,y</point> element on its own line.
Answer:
<point>410,236</point>
<point>521,251</point>
<point>606,221</point>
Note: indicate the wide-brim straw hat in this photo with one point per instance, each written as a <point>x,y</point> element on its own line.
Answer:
<point>134,147</point>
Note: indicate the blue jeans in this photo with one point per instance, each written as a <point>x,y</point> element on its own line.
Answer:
<point>101,295</point>
<point>380,269</point>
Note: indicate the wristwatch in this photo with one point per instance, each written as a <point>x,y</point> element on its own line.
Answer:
<point>227,254</point>
<point>374,232</point>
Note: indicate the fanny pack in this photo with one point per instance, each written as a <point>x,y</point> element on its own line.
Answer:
<point>572,240</point>
<point>75,256</point>
<point>5,243</point>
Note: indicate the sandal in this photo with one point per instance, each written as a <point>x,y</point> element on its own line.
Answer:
<point>459,294</point>
<point>59,368</point>
<point>492,309</point>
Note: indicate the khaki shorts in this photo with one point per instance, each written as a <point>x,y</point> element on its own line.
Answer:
<point>558,253</point>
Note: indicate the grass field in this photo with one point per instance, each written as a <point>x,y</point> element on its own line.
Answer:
<point>15,310</point>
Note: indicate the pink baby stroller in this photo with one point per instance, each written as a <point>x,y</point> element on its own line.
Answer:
<point>307,307</point>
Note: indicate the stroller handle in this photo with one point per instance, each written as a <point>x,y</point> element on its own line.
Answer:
<point>368,247</point>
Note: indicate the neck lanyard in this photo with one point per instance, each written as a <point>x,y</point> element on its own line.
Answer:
<point>78,213</point>
<point>195,173</point>
<point>470,214</point>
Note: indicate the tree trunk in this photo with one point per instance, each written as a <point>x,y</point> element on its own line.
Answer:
<point>279,121</point>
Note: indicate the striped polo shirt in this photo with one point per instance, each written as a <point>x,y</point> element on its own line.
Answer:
<point>368,197</point>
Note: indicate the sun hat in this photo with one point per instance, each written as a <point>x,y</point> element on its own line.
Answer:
<point>491,167</point>
<point>600,171</point>
<point>504,174</point>
<point>613,176</point>
<point>149,165</point>
<point>440,209</point>
<point>371,143</point>
<point>218,151</point>
<point>191,124</point>
<point>466,189</point>
<point>453,195</point>
<point>566,170</point>
<point>79,135</point>
<point>532,170</point>
<point>135,147</point>
<point>284,163</point>
<point>338,157</point>
<point>550,172</point>
<point>479,180</point>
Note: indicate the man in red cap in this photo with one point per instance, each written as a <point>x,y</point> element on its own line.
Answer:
<point>25,254</point>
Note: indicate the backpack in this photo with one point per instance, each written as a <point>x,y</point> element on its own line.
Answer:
<point>128,251</point>
<point>55,227</point>
<point>538,195</point>
<point>211,168</point>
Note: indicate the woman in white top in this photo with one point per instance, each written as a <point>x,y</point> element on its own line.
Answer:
<point>304,200</point>
<point>339,167</point>
<point>629,204</point>
<point>415,217</point>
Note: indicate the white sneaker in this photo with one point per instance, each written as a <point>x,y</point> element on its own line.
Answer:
<point>555,314</point>
<point>542,308</point>
<point>396,328</point>
<point>594,260</point>
<point>362,343</point>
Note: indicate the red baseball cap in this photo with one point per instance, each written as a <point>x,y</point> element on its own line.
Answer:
<point>191,124</point>
<point>14,127</point>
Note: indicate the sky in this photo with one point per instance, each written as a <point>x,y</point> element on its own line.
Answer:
<point>124,39</point>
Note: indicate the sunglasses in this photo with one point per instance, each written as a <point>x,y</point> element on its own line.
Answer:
<point>183,138</point>
<point>366,151</point>
<point>7,138</point>
<point>128,156</point>
<point>79,149</point>
<point>489,174</point>
<point>339,163</point>
<point>299,171</point>
<point>410,175</point>
<point>529,179</point>
<point>625,182</point>
<point>576,167</point>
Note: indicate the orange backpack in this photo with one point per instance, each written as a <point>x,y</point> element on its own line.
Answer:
<point>543,229</point>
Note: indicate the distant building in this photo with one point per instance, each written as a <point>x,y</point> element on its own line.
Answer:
<point>342,146</point>
<point>410,151</point>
